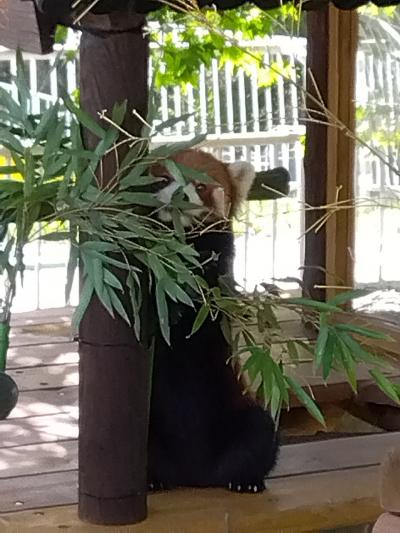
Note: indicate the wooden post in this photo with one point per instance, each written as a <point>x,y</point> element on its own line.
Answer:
<point>340,227</point>
<point>329,155</point>
<point>114,368</point>
<point>315,157</point>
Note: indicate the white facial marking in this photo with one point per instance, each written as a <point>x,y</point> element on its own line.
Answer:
<point>218,196</point>
<point>165,194</point>
<point>187,219</point>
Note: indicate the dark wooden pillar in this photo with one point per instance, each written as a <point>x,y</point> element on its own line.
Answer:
<point>114,368</point>
<point>315,157</point>
<point>329,154</point>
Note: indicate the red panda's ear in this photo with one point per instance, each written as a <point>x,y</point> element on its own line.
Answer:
<point>242,174</point>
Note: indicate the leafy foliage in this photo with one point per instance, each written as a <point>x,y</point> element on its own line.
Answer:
<point>127,255</point>
<point>184,41</point>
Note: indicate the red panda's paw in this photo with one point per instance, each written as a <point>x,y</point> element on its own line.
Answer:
<point>158,486</point>
<point>249,488</point>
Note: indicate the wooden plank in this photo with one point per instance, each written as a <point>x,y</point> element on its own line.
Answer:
<point>45,402</point>
<point>47,377</point>
<point>40,334</point>
<point>43,316</point>
<point>32,492</point>
<point>20,338</point>
<point>41,355</point>
<point>294,459</point>
<point>335,454</point>
<point>38,459</point>
<point>35,429</point>
<point>293,504</point>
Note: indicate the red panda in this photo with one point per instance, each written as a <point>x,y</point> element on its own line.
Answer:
<point>204,432</point>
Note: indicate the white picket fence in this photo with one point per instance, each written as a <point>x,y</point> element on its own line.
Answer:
<point>242,121</point>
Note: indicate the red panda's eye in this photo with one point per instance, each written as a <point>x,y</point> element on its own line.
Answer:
<point>200,187</point>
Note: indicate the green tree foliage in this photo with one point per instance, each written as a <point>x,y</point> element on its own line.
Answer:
<point>185,41</point>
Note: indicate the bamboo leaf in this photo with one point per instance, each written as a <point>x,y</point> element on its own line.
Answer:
<point>314,304</point>
<point>174,170</point>
<point>385,385</point>
<point>83,118</point>
<point>84,301</point>
<point>201,317</point>
<point>306,400</point>
<point>112,280</point>
<point>365,332</point>
<point>163,314</point>
<point>347,296</point>
<point>117,305</point>
<point>328,355</point>
<point>172,122</point>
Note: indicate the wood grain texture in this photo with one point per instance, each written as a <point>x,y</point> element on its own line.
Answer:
<point>22,26</point>
<point>48,377</point>
<point>315,156</point>
<point>42,355</point>
<point>45,402</point>
<point>293,504</point>
<point>37,429</point>
<point>114,369</point>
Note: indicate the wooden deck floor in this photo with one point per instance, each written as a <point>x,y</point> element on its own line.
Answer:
<point>316,485</point>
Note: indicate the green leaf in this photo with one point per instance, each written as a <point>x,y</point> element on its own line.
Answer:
<point>72,261</point>
<point>321,342</point>
<point>84,301</point>
<point>365,332</point>
<point>360,354</point>
<point>24,95</point>
<point>11,142</point>
<point>11,106</point>
<point>200,318</point>
<point>176,293</point>
<point>306,400</point>
<point>117,304</point>
<point>348,364</point>
<point>83,118</point>
<point>55,236</point>
<point>314,304</point>
<point>119,112</point>
<point>346,296</point>
<point>166,150</point>
<point>172,122</point>
<point>191,174</point>
<point>47,122</point>
<point>163,314</point>
<point>385,385</point>
<point>175,172</point>
<point>328,355</point>
<point>112,280</point>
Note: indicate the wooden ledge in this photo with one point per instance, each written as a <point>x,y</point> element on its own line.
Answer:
<point>293,504</point>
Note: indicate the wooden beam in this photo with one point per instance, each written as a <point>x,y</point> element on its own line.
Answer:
<point>22,26</point>
<point>329,156</point>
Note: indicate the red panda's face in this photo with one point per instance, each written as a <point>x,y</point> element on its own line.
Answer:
<point>216,200</point>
